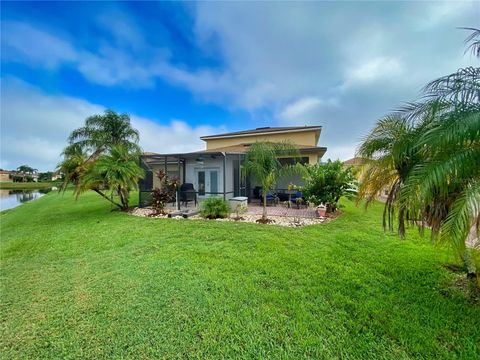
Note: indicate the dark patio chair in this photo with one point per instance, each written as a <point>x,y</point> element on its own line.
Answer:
<point>272,198</point>
<point>298,199</point>
<point>188,193</point>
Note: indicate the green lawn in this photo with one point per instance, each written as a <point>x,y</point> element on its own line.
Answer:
<point>27,185</point>
<point>80,281</point>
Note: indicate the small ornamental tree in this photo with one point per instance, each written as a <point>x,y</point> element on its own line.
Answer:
<point>327,183</point>
<point>262,161</point>
<point>239,210</point>
<point>164,193</point>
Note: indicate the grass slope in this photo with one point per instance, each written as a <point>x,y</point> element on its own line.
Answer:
<point>80,281</point>
<point>27,185</point>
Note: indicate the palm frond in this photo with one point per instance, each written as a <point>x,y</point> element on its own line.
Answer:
<point>473,41</point>
<point>464,214</point>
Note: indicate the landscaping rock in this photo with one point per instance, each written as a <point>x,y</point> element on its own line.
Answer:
<point>287,221</point>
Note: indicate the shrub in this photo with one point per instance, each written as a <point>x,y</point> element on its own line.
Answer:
<point>215,208</point>
<point>165,193</point>
<point>327,183</point>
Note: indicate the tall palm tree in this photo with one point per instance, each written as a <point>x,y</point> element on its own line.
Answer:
<point>101,132</point>
<point>263,162</point>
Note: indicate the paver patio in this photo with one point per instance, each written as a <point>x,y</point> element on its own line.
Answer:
<point>254,208</point>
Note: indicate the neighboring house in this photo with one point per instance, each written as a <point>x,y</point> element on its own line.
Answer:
<point>357,162</point>
<point>216,171</point>
<point>56,176</point>
<point>6,176</point>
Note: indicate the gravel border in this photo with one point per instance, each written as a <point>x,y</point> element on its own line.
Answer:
<point>287,221</point>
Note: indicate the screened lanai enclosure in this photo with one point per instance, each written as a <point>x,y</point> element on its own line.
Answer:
<point>200,175</point>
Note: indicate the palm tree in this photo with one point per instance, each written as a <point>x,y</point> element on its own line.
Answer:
<point>263,162</point>
<point>73,166</point>
<point>450,167</point>
<point>103,155</point>
<point>389,155</point>
<point>101,132</point>
<point>118,171</point>
<point>439,184</point>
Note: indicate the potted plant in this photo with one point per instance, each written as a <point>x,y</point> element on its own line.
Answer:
<point>321,210</point>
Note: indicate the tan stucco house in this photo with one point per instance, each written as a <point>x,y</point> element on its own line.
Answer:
<point>6,176</point>
<point>216,170</point>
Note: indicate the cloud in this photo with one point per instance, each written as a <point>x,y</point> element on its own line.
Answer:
<point>22,42</point>
<point>305,110</point>
<point>35,126</point>
<point>112,63</point>
<point>342,152</point>
<point>374,69</point>
<point>177,136</point>
<point>276,61</point>
<point>438,12</point>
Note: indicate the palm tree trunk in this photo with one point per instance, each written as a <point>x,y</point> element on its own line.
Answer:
<point>124,198</point>
<point>401,223</point>
<point>106,197</point>
<point>264,213</point>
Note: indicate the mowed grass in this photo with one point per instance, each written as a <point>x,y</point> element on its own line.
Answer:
<point>27,185</point>
<point>80,281</point>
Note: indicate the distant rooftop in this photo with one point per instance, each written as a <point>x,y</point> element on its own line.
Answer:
<point>354,161</point>
<point>262,130</point>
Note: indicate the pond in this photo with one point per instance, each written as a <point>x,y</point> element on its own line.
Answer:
<point>12,198</point>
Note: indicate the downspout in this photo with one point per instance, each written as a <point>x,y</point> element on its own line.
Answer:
<point>224,175</point>
<point>178,187</point>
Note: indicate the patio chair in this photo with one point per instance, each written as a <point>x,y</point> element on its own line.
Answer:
<point>272,198</point>
<point>188,193</point>
<point>298,199</point>
<point>296,195</point>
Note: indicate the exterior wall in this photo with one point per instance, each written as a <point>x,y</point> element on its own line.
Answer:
<point>305,138</point>
<point>5,178</point>
<point>313,159</point>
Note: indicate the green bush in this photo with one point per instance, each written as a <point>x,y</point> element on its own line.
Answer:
<point>326,183</point>
<point>214,208</point>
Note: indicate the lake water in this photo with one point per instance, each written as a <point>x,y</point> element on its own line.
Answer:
<point>12,198</point>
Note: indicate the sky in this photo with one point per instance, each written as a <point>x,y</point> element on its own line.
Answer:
<point>184,70</point>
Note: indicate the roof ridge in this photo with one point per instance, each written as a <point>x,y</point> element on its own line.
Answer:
<point>260,130</point>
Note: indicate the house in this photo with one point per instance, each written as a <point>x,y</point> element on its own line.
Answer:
<point>56,176</point>
<point>6,176</point>
<point>357,163</point>
<point>216,170</point>
<point>12,176</point>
